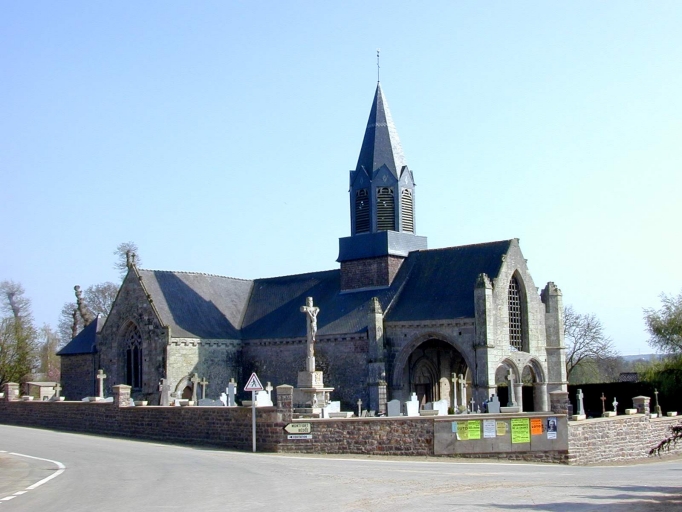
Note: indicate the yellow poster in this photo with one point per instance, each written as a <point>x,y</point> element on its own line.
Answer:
<point>463,430</point>
<point>474,427</point>
<point>501,428</point>
<point>536,426</point>
<point>520,430</point>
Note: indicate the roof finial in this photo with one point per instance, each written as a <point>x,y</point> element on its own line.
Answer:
<point>378,67</point>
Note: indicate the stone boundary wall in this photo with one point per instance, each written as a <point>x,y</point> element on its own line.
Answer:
<point>620,438</point>
<point>225,427</point>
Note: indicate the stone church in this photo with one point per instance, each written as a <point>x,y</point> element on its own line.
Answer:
<point>396,318</point>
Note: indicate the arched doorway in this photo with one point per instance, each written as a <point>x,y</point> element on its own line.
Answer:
<point>429,368</point>
<point>502,383</point>
<point>528,378</point>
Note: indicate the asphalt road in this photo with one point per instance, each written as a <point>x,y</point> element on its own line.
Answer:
<point>105,474</point>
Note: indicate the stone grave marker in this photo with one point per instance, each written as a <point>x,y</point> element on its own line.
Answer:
<point>231,392</point>
<point>394,408</point>
<point>494,405</point>
<point>412,406</point>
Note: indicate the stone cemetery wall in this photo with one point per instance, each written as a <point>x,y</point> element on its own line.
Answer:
<point>225,427</point>
<point>668,399</point>
<point>618,438</point>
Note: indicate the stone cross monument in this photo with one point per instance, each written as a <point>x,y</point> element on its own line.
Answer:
<point>311,312</point>
<point>100,377</point>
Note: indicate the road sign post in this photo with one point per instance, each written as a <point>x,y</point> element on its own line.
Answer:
<point>254,386</point>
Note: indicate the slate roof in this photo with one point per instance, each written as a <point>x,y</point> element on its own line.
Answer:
<point>198,305</point>
<point>381,144</point>
<point>84,342</point>
<point>433,284</point>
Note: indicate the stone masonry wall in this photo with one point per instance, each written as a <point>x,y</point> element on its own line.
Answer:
<point>614,439</point>
<point>78,376</point>
<point>369,272</point>
<point>226,427</point>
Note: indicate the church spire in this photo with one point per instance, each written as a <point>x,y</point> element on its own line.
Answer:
<point>381,144</point>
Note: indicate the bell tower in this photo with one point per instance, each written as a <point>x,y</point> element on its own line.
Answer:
<point>382,213</point>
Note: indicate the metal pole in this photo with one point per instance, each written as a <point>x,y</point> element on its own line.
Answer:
<point>253,419</point>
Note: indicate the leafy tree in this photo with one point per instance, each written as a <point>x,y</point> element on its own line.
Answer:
<point>122,253</point>
<point>18,336</point>
<point>665,325</point>
<point>586,343</point>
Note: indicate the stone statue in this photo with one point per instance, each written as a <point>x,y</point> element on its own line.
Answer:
<point>311,312</point>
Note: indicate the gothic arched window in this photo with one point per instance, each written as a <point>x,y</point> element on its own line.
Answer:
<point>132,343</point>
<point>362,211</point>
<point>385,209</point>
<point>515,314</point>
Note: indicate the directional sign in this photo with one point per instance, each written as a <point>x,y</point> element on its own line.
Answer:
<point>298,428</point>
<point>253,384</point>
<point>300,436</point>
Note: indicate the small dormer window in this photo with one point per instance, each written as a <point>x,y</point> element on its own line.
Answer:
<point>385,209</point>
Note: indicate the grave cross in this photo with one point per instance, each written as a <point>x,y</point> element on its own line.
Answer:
<point>462,390</point>
<point>195,381</point>
<point>57,390</point>
<point>473,404</point>
<point>359,407</point>
<point>203,383</point>
<point>603,403</point>
<point>579,395</point>
<point>454,392</point>
<point>615,404</point>
<point>269,389</point>
<point>165,390</point>
<point>101,376</point>
<point>311,331</point>
<point>658,407</point>
<point>510,378</point>
<point>231,391</point>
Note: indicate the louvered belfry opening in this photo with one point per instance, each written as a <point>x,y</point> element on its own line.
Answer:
<point>385,209</point>
<point>362,219</point>
<point>133,344</point>
<point>406,211</point>
<point>515,314</point>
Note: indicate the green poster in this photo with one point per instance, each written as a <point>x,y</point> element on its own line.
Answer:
<point>463,430</point>
<point>474,427</point>
<point>520,430</point>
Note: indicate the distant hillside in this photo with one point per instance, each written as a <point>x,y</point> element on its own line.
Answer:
<point>642,357</point>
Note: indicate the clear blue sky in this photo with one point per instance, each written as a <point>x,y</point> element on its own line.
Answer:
<point>218,136</point>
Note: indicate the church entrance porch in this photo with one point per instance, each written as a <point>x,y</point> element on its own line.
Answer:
<point>429,370</point>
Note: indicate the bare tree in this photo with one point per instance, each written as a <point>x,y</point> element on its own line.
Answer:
<point>49,361</point>
<point>98,300</point>
<point>124,252</point>
<point>585,340</point>
<point>665,325</point>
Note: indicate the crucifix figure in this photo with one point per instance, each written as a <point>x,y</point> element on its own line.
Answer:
<point>101,376</point>
<point>203,383</point>
<point>454,392</point>
<point>603,403</point>
<point>510,378</point>
<point>311,313</point>
<point>195,381</point>
<point>57,390</point>
<point>615,405</point>
<point>579,398</point>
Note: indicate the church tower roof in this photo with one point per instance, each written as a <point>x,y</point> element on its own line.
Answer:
<point>381,144</point>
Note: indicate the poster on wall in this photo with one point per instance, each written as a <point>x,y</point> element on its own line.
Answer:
<point>520,430</point>
<point>462,430</point>
<point>474,427</point>
<point>501,427</point>
<point>489,428</point>
<point>552,427</point>
<point>536,426</point>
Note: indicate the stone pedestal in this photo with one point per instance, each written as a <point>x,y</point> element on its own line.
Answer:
<point>540,397</point>
<point>310,393</point>
<point>285,403</point>
<point>559,403</point>
<point>122,395</point>
<point>11,391</point>
<point>641,403</point>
